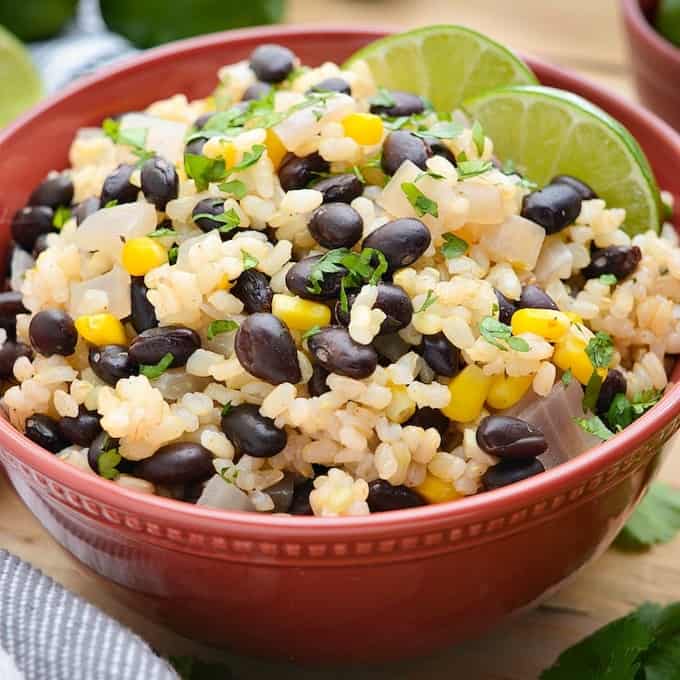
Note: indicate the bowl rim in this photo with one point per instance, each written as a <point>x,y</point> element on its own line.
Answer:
<point>260,525</point>
<point>634,16</point>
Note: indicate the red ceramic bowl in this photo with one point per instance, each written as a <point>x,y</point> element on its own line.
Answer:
<point>332,590</point>
<point>655,61</point>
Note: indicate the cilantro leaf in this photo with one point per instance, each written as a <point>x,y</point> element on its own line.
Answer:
<point>518,344</point>
<point>566,377</point>
<point>356,170</point>
<point>594,426</point>
<point>61,216</point>
<point>430,299</point>
<point>235,187</point>
<point>229,474</point>
<point>204,170</point>
<point>442,130</point>
<point>135,137</point>
<point>592,391</point>
<point>453,247</point>
<point>107,462</point>
<point>311,332</point>
<point>422,204</point>
<point>152,371</point>
<point>600,350</point>
<point>112,203</point>
<point>500,335</point>
<point>383,98</point>
<point>467,169</point>
<point>608,279</point>
<point>249,261</point>
<point>478,137</point>
<point>226,408</point>
<point>250,158</point>
<point>359,268</point>
<point>229,219</point>
<point>220,326</point>
<point>111,129</point>
<point>428,173</point>
<point>191,668</point>
<point>172,254</point>
<point>620,413</point>
<point>643,401</point>
<point>655,520</point>
<point>161,232</point>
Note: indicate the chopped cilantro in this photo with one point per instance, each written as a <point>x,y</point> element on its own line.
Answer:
<point>356,170</point>
<point>443,130</point>
<point>61,216</point>
<point>112,203</point>
<point>608,279</point>
<point>467,169</point>
<point>250,158</point>
<point>594,426</point>
<point>620,413</point>
<point>311,332</point>
<point>249,261</point>
<point>453,247</point>
<point>229,474</point>
<point>172,254</point>
<point>500,335</point>
<point>422,204</point>
<point>643,401</point>
<point>161,232</point>
<point>383,98</point>
<point>107,462</point>
<point>592,391</point>
<point>428,173</point>
<point>204,170</point>
<point>235,187</point>
<point>600,350</point>
<point>566,377</point>
<point>152,371</point>
<point>430,299</point>
<point>226,408</point>
<point>518,344</point>
<point>229,219</point>
<point>374,162</point>
<point>478,137</point>
<point>220,326</point>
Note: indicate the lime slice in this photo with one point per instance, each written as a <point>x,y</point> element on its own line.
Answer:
<point>547,132</point>
<point>445,64</point>
<point>21,86</point>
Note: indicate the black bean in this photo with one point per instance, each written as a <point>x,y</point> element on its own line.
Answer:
<point>160,183</point>
<point>272,63</point>
<point>53,192</point>
<point>438,148</point>
<point>300,505</point>
<point>253,290</point>
<point>53,332</point>
<point>335,350</point>
<point>392,300</point>
<point>178,463</point>
<point>40,245</point>
<point>401,241</point>
<point>208,206</point>
<point>82,429</point>
<point>508,437</point>
<point>29,223</point>
<point>400,146</point>
<point>296,172</point>
<point>282,492</point>
<point>143,315</point>
<point>257,90</point>
<point>506,307</point>
<point>510,471</point>
<point>405,104</point>
<point>583,190</point>
<point>615,383</point>
<point>112,363</point>
<point>427,417</point>
<point>10,305</point>
<point>440,354</point>
<point>533,297</point>
<point>195,146</point>
<point>200,122</point>
<point>150,346</point>
<point>117,186</point>
<point>10,351</point>
<point>554,207</point>
<point>265,348</point>
<point>336,225</point>
<point>340,188</point>
<point>251,433</point>
<point>44,431</point>
<point>86,208</point>
<point>617,260</point>
<point>101,444</point>
<point>390,348</point>
<point>298,280</point>
<point>332,84</point>
<point>317,384</point>
<point>382,497</point>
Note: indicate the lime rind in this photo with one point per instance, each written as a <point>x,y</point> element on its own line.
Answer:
<point>444,63</point>
<point>547,131</point>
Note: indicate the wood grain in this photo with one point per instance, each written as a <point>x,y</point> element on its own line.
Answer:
<point>585,35</point>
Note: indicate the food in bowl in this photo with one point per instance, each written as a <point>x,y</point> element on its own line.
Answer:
<point>313,295</point>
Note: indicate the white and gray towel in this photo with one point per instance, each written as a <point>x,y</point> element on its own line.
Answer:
<point>47,633</point>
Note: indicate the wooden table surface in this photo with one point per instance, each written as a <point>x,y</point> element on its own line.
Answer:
<point>587,36</point>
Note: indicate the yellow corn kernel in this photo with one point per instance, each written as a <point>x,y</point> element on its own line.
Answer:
<point>574,317</point>
<point>300,314</point>
<point>402,407</point>
<point>141,255</point>
<point>570,355</point>
<point>469,390</point>
<point>224,283</point>
<point>507,390</point>
<point>220,148</point>
<point>547,323</point>
<point>435,490</point>
<point>101,329</point>
<point>275,149</point>
<point>363,128</point>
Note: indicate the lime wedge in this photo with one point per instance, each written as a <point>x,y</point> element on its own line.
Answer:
<point>445,64</point>
<point>21,86</point>
<point>547,132</point>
